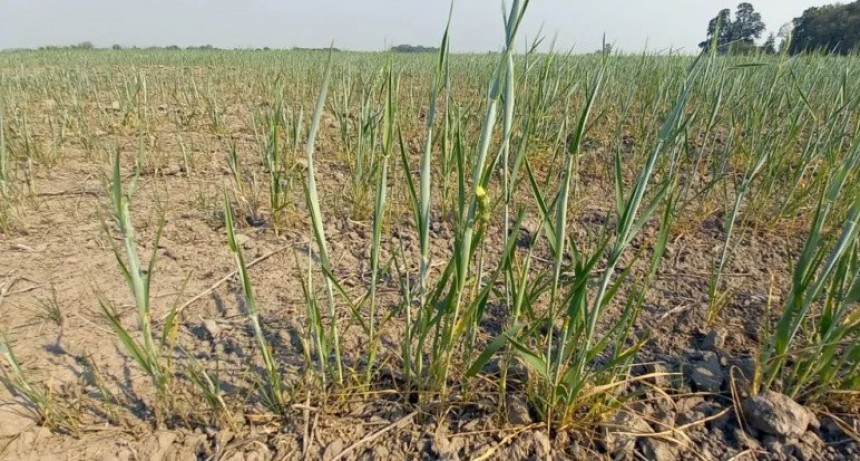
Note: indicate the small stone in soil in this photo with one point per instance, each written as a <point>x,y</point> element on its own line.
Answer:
<point>742,371</point>
<point>445,448</point>
<point>685,404</point>
<point>656,450</point>
<point>776,414</point>
<point>259,452</point>
<point>800,451</point>
<point>222,438</point>
<point>542,444</point>
<point>663,420</point>
<point>714,340</point>
<point>518,411</point>
<point>165,439</point>
<point>333,449</point>
<point>707,375</point>
<point>662,375</point>
<point>211,328</point>
<point>746,440</point>
<point>242,240</point>
<point>124,455</point>
<point>236,456</point>
<point>381,452</point>
<point>690,417</point>
<point>774,444</point>
<point>619,438</point>
<point>809,438</point>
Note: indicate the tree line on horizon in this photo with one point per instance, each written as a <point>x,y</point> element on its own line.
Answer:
<point>87,45</point>
<point>833,29</point>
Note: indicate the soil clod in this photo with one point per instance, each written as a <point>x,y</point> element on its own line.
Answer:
<point>707,374</point>
<point>776,414</point>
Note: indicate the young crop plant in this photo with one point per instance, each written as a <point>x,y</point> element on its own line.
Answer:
<point>280,181</point>
<point>273,386</point>
<point>152,354</point>
<point>332,334</point>
<point>814,348</point>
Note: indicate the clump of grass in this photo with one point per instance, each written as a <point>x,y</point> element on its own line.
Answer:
<point>49,411</point>
<point>5,173</point>
<point>813,353</point>
<point>573,365</point>
<point>210,389</point>
<point>49,309</point>
<point>359,134</point>
<point>5,180</point>
<point>280,180</point>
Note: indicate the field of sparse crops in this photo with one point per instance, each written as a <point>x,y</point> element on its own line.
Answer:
<point>255,255</point>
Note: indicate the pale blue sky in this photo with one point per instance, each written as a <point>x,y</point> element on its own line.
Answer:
<point>366,24</point>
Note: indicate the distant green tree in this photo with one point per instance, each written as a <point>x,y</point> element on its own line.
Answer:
<point>413,49</point>
<point>718,32</point>
<point>333,50</point>
<point>734,35</point>
<point>747,26</point>
<point>116,46</point>
<point>830,28</point>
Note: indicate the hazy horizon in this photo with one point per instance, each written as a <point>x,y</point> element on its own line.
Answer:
<point>368,25</point>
